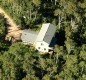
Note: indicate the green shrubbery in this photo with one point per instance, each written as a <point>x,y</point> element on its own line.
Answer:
<point>68,62</point>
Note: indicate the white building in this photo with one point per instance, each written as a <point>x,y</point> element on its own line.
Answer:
<point>43,40</point>
<point>29,36</point>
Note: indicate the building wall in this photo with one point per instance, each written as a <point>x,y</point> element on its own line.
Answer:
<point>28,43</point>
<point>42,46</point>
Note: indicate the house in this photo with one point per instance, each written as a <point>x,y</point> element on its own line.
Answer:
<point>44,37</point>
<point>44,40</point>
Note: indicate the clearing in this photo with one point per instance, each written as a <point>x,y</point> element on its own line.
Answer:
<point>13,30</point>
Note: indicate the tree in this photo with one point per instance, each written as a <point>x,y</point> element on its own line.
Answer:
<point>36,2</point>
<point>2,26</point>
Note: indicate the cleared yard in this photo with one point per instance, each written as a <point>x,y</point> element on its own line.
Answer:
<point>14,30</point>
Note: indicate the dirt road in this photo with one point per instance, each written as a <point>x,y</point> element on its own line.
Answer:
<point>13,30</point>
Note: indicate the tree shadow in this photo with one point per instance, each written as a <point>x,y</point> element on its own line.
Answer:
<point>47,10</point>
<point>60,38</point>
<point>78,37</point>
<point>61,62</point>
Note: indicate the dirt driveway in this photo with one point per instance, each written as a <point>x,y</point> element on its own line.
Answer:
<point>14,30</point>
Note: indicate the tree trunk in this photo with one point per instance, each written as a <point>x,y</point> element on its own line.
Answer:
<point>30,13</point>
<point>55,2</point>
<point>59,21</point>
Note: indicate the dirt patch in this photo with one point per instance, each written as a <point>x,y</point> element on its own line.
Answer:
<point>14,30</point>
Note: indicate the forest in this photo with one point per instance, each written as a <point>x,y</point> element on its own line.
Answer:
<point>68,60</point>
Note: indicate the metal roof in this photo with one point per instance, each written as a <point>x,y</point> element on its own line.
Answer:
<point>29,36</point>
<point>46,33</point>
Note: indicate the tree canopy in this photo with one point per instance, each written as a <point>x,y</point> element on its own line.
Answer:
<point>68,60</point>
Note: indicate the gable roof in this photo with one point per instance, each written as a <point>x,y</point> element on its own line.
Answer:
<point>29,36</point>
<point>46,33</point>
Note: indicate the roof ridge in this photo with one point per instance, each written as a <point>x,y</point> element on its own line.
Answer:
<point>43,31</point>
<point>46,32</point>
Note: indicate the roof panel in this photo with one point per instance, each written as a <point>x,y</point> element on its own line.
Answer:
<point>42,32</point>
<point>46,33</point>
<point>50,33</point>
<point>29,36</point>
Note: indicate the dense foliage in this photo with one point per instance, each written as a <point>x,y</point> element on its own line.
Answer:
<point>23,62</point>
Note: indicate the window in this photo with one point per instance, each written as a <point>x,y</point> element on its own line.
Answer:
<point>42,44</point>
<point>38,47</point>
<point>25,34</point>
<point>44,48</point>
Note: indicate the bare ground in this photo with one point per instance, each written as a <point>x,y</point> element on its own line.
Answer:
<point>14,30</point>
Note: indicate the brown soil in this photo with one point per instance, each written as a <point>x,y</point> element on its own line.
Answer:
<point>14,30</point>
